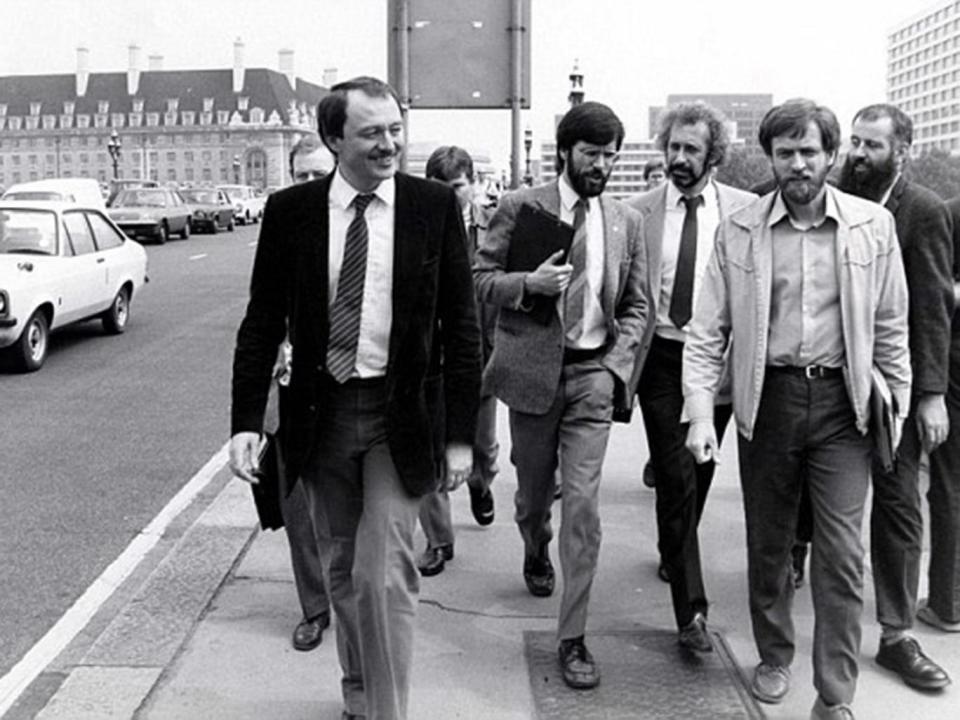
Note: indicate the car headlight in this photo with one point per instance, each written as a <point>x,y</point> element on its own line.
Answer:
<point>4,305</point>
<point>200,215</point>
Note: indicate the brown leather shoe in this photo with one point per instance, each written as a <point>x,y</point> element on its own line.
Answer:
<point>577,665</point>
<point>309,632</point>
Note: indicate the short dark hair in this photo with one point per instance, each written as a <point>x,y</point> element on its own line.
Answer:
<point>591,122</point>
<point>902,124</point>
<point>332,109</point>
<point>692,114</point>
<point>304,146</point>
<point>651,165</point>
<point>792,119</point>
<point>448,162</point>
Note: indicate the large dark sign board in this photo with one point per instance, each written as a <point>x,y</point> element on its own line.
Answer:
<point>459,52</point>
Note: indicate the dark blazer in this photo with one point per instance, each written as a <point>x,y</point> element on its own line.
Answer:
<point>434,320</point>
<point>527,359</point>
<point>924,229</point>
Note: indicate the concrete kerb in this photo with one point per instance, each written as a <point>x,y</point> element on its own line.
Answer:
<point>123,666</point>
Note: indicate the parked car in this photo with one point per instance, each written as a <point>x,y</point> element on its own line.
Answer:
<point>210,209</point>
<point>247,205</point>
<point>151,213</point>
<point>118,184</point>
<point>83,191</point>
<point>61,263</point>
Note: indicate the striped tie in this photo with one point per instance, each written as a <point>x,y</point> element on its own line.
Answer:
<point>577,290</point>
<point>345,313</point>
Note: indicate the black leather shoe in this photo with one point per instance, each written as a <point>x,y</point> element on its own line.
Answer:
<point>905,658</point>
<point>352,716</point>
<point>577,665</point>
<point>481,505</point>
<point>694,635</point>
<point>663,573</point>
<point>434,559</point>
<point>538,574</point>
<point>309,633</point>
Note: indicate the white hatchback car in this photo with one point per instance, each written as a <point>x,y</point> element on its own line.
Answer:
<point>61,263</point>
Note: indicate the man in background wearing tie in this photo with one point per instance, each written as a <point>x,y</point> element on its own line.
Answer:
<point>370,268</point>
<point>680,219</point>
<point>562,378</point>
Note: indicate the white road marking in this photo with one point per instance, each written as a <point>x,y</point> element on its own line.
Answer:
<point>198,257</point>
<point>78,615</point>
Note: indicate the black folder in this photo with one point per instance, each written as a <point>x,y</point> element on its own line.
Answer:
<point>882,423</point>
<point>538,234</point>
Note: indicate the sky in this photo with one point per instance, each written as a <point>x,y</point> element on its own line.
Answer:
<point>632,53</point>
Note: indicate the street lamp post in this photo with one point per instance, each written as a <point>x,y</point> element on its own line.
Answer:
<point>236,169</point>
<point>113,147</point>
<point>527,145</point>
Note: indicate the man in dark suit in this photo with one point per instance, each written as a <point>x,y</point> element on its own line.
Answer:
<point>941,609</point>
<point>561,372</point>
<point>879,146</point>
<point>679,221</point>
<point>370,269</point>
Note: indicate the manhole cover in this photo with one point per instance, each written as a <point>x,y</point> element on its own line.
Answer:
<point>645,675</point>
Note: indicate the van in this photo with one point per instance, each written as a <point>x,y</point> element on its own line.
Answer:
<point>82,191</point>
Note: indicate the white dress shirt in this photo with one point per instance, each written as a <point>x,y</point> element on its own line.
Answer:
<point>594,323</point>
<point>376,311</point>
<point>708,217</point>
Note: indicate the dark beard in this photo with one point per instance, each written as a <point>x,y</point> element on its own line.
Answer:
<point>583,186</point>
<point>871,184</point>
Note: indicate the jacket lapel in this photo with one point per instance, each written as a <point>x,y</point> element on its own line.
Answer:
<point>409,245</point>
<point>614,249</point>
<point>312,234</point>
<point>653,237</point>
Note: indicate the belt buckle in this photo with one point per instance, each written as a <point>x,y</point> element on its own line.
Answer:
<point>812,372</point>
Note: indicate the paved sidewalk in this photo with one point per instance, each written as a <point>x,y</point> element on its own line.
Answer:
<point>208,634</point>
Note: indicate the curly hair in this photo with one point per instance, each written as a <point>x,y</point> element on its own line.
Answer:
<point>691,114</point>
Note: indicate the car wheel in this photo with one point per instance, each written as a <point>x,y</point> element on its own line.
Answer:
<point>231,225</point>
<point>214,226</point>
<point>115,319</point>
<point>164,233</point>
<point>247,219</point>
<point>31,349</point>
<point>186,230</point>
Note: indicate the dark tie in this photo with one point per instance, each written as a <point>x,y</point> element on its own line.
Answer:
<point>577,289</point>
<point>681,298</point>
<point>345,313</point>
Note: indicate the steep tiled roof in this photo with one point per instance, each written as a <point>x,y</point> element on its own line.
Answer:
<point>267,89</point>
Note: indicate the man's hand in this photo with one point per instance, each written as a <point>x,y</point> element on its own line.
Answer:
<point>459,465</point>
<point>549,279</point>
<point>243,456</point>
<point>702,441</point>
<point>933,423</point>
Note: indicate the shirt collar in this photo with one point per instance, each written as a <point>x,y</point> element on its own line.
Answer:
<point>342,192</point>
<point>708,194</point>
<point>778,211</point>
<point>569,196</point>
<point>889,190</point>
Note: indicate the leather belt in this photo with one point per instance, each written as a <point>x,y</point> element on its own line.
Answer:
<point>810,372</point>
<point>576,355</point>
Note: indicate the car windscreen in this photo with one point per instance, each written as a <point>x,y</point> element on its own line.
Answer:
<point>140,198</point>
<point>236,193</point>
<point>208,197</point>
<point>28,232</point>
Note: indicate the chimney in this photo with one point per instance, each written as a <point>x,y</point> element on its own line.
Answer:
<point>155,63</point>
<point>238,65</point>
<point>83,70</point>
<point>329,77</point>
<point>286,66</point>
<point>133,69</point>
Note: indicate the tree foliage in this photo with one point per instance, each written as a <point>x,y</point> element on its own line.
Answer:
<point>937,170</point>
<point>744,168</point>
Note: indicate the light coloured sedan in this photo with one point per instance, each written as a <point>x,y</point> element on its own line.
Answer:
<point>61,263</point>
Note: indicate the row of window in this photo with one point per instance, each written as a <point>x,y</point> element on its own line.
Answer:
<point>925,70</point>
<point>927,85</point>
<point>135,120</point>
<point>103,106</point>
<point>78,141</point>
<point>928,22</point>
<point>153,156</point>
<point>223,175</point>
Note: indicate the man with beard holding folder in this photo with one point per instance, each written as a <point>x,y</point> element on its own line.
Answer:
<point>563,351</point>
